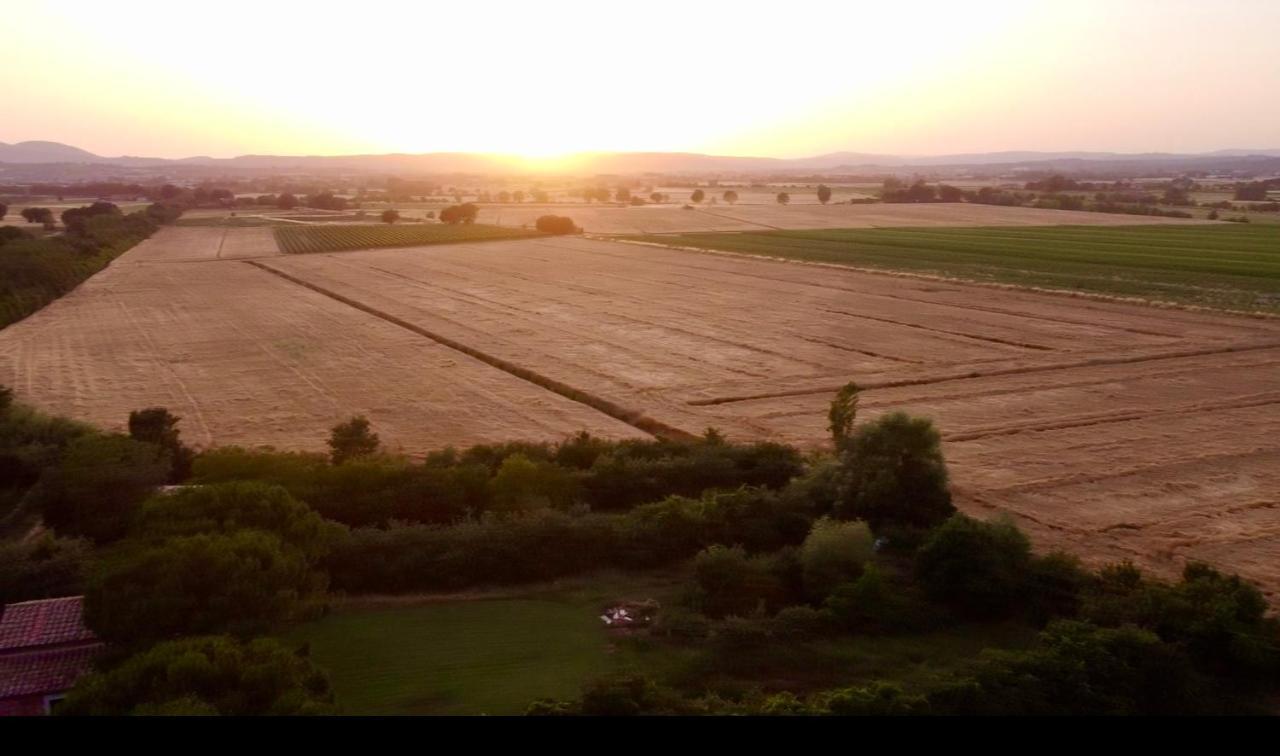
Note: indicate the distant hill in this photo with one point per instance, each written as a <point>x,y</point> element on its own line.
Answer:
<point>45,152</point>
<point>631,163</point>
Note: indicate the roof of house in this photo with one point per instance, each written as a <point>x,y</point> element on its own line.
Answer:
<point>48,622</point>
<point>50,671</point>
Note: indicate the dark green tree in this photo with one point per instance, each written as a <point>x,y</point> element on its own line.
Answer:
<point>98,484</point>
<point>824,193</point>
<point>893,475</point>
<point>352,439</point>
<point>156,425</point>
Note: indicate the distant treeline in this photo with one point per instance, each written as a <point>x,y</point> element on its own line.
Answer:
<point>36,271</point>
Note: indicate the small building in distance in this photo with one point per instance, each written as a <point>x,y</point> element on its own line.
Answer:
<point>44,648</point>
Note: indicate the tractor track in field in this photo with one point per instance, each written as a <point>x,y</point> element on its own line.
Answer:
<point>634,418</point>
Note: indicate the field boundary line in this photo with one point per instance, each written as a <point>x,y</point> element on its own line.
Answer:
<point>1162,304</point>
<point>1105,418</point>
<point>634,418</point>
<point>970,375</point>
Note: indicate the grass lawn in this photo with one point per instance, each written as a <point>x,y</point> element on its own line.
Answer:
<point>476,656</point>
<point>1233,267</point>
<point>296,239</point>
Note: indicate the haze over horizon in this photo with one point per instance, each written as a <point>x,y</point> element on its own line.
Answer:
<point>716,78</point>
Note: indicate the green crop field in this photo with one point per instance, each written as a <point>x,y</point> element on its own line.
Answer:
<point>307,239</point>
<point>1233,267</point>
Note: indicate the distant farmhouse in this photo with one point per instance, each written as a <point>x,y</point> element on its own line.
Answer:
<point>44,648</point>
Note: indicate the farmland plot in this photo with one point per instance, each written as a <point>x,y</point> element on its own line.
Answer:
<point>666,219</point>
<point>1112,429</point>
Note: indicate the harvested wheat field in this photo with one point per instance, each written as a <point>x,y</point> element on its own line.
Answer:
<point>1111,429</point>
<point>667,219</point>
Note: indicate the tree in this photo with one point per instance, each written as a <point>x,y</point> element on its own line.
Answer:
<point>893,475</point>
<point>464,213</point>
<point>213,675</point>
<point>948,193</point>
<point>504,196</point>
<point>352,439</point>
<point>555,224</point>
<point>842,414</point>
<point>94,490</point>
<point>697,196</point>
<point>156,425</point>
<point>783,198</point>
<point>390,216</point>
<point>834,553</point>
<point>41,215</point>
<point>730,196</point>
<point>623,194</point>
<point>517,196</point>
<point>286,201</point>
<point>242,583</point>
<point>978,568</point>
<point>824,193</point>
<point>656,198</point>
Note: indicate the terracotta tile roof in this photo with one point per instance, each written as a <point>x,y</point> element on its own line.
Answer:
<point>43,623</point>
<point>51,671</point>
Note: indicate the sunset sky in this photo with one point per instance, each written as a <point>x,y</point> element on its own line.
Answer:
<point>782,79</point>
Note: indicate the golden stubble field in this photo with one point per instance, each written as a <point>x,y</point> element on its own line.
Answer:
<point>1113,430</point>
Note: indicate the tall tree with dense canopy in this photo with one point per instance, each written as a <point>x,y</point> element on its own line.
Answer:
<point>730,196</point>
<point>824,193</point>
<point>893,475</point>
<point>783,198</point>
<point>390,216</point>
<point>697,196</point>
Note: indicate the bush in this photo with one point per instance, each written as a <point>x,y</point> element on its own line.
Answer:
<point>227,507</point>
<point>977,568</point>
<point>801,623</point>
<point>834,553</point>
<point>556,224</point>
<point>209,675</point>
<point>1081,669</point>
<point>728,582</point>
<point>875,700</point>
<point>875,604</point>
<point>893,476</point>
<point>95,488</point>
<point>242,584</point>
<point>45,568</point>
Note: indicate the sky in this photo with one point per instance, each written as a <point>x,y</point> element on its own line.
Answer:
<point>781,79</point>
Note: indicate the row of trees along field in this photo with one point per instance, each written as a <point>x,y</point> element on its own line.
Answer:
<point>786,555</point>
<point>35,271</point>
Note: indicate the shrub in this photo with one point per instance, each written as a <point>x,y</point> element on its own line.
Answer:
<point>801,623</point>
<point>45,568</point>
<point>228,507</point>
<point>875,604</point>
<point>977,568</point>
<point>834,553</point>
<point>728,582</point>
<point>206,675</point>
<point>352,439</point>
<point>241,583</point>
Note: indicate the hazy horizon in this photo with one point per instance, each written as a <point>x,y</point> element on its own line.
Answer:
<point>931,79</point>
